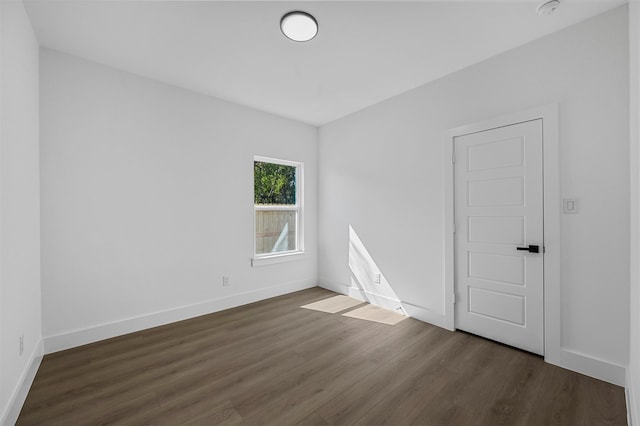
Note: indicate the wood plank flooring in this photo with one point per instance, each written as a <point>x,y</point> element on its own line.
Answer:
<point>274,363</point>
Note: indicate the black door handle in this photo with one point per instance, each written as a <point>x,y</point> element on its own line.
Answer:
<point>530,249</point>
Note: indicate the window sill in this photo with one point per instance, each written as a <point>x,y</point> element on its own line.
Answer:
<point>277,258</point>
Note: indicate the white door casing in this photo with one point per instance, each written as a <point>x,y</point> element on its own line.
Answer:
<point>498,176</point>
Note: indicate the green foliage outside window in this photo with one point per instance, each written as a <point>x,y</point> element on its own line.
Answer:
<point>274,183</point>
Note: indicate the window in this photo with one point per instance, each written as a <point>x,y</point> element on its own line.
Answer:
<point>277,194</point>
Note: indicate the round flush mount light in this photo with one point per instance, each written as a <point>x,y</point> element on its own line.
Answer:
<point>299,26</point>
<point>549,7</point>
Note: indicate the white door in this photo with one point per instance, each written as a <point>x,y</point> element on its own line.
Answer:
<point>498,224</point>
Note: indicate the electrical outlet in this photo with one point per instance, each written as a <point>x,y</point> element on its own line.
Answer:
<point>569,206</point>
<point>21,344</point>
<point>225,280</point>
<point>376,278</point>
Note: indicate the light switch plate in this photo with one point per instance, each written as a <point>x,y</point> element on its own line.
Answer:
<point>569,205</point>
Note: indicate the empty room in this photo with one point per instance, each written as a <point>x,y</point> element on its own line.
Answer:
<point>319,212</point>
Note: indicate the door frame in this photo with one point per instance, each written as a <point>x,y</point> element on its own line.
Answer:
<point>551,217</point>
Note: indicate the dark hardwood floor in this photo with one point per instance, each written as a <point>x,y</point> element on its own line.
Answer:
<point>275,363</point>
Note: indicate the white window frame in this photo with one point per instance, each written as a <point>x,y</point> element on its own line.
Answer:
<point>284,256</point>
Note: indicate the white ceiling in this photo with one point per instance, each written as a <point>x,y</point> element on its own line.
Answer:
<point>364,53</point>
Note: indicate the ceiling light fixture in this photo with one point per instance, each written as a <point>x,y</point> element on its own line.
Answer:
<point>299,26</point>
<point>549,7</point>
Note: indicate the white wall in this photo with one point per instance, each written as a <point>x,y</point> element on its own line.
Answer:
<point>633,371</point>
<point>19,208</point>
<point>381,173</point>
<point>147,201</point>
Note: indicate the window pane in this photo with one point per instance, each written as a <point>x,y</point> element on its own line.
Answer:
<point>274,183</point>
<point>275,231</point>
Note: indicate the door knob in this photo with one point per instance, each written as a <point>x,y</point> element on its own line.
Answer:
<point>530,249</point>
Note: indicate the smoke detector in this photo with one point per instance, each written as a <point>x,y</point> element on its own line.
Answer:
<point>549,7</point>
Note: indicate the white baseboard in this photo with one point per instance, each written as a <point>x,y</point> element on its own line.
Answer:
<point>589,366</point>
<point>414,311</point>
<point>93,334</point>
<point>632,402</point>
<point>333,286</point>
<point>426,315</point>
<point>19,395</point>
<point>376,299</point>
